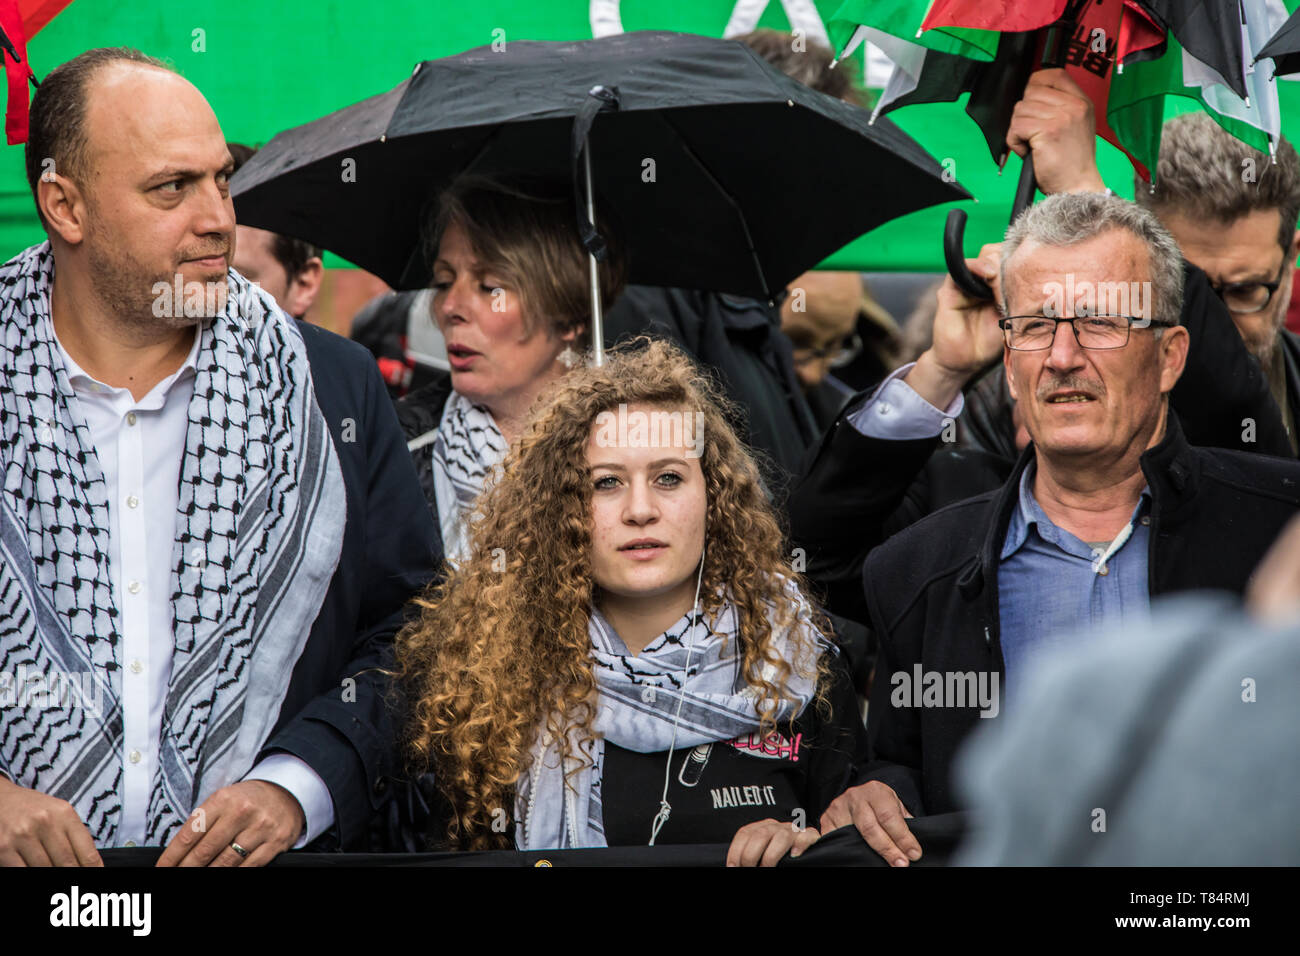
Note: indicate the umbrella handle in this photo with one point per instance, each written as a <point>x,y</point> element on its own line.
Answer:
<point>970,284</point>
<point>599,99</point>
<point>954,230</point>
<point>1025,189</point>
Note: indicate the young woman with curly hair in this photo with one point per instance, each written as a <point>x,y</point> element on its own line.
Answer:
<point>625,657</point>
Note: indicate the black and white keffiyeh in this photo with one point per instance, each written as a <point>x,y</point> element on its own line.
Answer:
<point>638,710</point>
<point>259,529</point>
<point>466,452</point>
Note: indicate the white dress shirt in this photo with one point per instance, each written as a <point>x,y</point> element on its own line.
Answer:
<point>897,412</point>
<point>139,447</point>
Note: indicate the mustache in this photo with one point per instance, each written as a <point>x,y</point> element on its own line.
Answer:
<point>1073,383</point>
<point>223,250</point>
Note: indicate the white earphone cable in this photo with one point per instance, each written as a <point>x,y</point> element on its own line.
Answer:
<point>665,808</point>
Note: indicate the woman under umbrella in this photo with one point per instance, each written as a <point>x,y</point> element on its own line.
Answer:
<point>512,299</point>
<point>624,657</point>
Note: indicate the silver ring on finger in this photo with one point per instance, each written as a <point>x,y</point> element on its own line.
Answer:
<point>243,854</point>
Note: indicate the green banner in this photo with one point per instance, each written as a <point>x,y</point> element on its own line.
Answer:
<point>266,65</point>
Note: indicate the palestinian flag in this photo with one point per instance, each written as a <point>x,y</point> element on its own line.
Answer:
<point>1127,58</point>
<point>20,19</point>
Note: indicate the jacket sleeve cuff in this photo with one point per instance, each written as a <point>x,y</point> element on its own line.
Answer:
<point>904,781</point>
<point>355,788</point>
<point>305,786</point>
<point>896,412</point>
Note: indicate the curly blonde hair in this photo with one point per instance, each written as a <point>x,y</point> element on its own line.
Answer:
<point>500,647</point>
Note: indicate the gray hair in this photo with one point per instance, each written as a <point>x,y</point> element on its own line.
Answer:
<point>1070,218</point>
<point>1206,173</point>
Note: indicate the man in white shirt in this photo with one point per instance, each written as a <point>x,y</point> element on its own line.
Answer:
<point>209,550</point>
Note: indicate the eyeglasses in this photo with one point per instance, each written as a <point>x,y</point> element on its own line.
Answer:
<point>1243,298</point>
<point>1032,333</point>
<point>840,353</point>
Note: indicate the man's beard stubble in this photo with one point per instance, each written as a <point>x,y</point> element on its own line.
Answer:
<point>127,289</point>
<point>1263,344</point>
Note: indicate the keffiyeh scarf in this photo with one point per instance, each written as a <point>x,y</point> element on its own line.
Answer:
<point>258,534</point>
<point>466,453</point>
<point>638,710</point>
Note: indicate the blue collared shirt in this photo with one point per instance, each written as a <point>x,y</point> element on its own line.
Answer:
<point>1052,587</point>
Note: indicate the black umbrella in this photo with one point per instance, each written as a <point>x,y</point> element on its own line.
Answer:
<point>724,173</point>
<point>1284,47</point>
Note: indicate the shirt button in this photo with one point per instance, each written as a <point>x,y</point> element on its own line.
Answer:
<point>1104,571</point>
<point>132,501</point>
<point>130,843</point>
<point>1146,519</point>
<point>130,418</point>
<point>885,407</point>
<point>134,587</point>
<point>133,756</point>
<point>136,666</point>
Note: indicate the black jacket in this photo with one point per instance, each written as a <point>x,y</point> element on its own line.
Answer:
<point>1290,346</point>
<point>839,508</point>
<point>715,790</point>
<point>389,552</point>
<point>420,412</point>
<point>932,591</point>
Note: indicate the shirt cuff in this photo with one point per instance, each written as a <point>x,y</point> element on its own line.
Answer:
<point>307,788</point>
<point>896,412</point>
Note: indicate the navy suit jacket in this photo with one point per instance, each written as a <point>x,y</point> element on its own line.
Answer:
<point>390,552</point>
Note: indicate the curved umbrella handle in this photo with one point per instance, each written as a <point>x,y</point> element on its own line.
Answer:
<point>954,229</point>
<point>955,259</point>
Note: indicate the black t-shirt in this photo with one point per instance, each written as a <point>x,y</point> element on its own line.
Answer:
<point>715,789</point>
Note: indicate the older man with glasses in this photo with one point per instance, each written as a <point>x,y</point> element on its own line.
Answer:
<point>1107,507</point>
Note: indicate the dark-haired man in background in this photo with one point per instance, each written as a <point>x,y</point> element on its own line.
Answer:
<point>288,268</point>
<point>1233,212</point>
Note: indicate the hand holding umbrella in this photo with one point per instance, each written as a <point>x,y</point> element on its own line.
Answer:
<point>966,337</point>
<point>1055,120</point>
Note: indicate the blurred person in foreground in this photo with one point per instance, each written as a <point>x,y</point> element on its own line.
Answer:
<point>1107,507</point>
<point>1172,745</point>
<point>289,269</point>
<point>209,522</point>
<point>624,657</point>
<point>511,297</point>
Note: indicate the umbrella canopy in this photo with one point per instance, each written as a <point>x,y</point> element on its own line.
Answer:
<point>1283,48</point>
<point>722,172</point>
